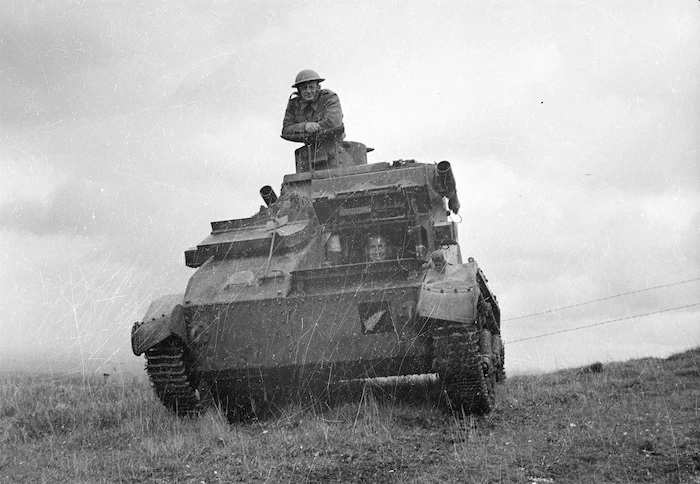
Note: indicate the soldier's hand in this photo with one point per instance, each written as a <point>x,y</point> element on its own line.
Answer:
<point>312,127</point>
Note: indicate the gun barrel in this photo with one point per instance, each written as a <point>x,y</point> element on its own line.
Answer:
<point>268,195</point>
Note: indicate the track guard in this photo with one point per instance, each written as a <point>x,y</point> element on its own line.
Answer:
<point>163,318</point>
<point>450,294</point>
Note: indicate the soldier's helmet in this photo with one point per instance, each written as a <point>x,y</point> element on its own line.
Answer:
<point>307,75</point>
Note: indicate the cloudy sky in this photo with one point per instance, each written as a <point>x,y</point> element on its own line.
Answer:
<point>573,128</point>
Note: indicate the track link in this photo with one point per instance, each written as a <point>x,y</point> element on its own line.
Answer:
<point>173,382</point>
<point>467,384</point>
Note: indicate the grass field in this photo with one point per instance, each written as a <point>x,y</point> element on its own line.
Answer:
<point>637,421</point>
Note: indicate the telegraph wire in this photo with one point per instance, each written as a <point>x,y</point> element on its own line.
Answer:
<point>602,299</point>
<point>604,322</point>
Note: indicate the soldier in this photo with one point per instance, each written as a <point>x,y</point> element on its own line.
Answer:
<point>311,109</point>
<point>377,249</point>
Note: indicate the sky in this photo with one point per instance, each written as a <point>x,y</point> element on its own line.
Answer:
<point>572,127</point>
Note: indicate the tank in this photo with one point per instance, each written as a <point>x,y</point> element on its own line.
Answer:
<point>353,272</point>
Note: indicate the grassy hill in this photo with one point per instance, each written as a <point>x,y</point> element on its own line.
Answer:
<point>637,421</point>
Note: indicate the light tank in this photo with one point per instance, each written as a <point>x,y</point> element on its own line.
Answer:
<point>291,302</point>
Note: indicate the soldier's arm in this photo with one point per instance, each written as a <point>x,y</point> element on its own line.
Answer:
<point>289,125</point>
<point>333,114</point>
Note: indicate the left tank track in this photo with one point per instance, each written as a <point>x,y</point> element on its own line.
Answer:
<point>172,378</point>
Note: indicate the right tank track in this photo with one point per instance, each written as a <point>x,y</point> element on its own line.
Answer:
<point>172,379</point>
<point>467,377</point>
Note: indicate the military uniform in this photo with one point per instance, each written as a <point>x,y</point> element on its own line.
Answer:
<point>324,110</point>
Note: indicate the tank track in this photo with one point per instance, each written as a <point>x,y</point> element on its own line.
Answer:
<point>466,382</point>
<point>501,370</point>
<point>173,381</point>
<point>487,319</point>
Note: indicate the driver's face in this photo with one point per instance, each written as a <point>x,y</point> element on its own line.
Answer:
<point>308,90</point>
<point>376,249</point>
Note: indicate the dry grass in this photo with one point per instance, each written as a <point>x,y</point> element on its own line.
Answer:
<point>634,422</point>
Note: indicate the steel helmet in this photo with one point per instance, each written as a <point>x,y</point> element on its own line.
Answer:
<point>307,75</point>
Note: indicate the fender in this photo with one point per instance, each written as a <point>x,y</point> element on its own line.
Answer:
<point>450,293</point>
<point>164,317</point>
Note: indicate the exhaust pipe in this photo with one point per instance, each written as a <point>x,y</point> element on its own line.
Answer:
<point>268,195</point>
<point>446,186</point>
<point>445,179</point>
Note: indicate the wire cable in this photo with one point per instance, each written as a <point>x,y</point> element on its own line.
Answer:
<point>604,322</point>
<point>602,299</point>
